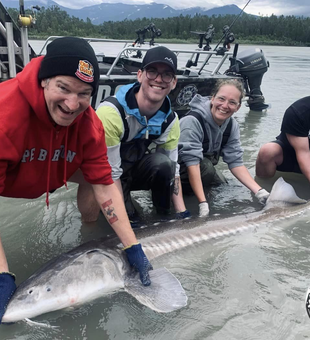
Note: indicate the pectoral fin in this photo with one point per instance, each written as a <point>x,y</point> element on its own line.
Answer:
<point>164,295</point>
<point>283,192</point>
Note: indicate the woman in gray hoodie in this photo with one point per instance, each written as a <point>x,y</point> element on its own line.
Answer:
<point>209,131</point>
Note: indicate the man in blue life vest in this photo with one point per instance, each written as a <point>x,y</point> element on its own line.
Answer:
<point>138,115</point>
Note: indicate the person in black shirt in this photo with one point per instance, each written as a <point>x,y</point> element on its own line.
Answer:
<point>290,151</point>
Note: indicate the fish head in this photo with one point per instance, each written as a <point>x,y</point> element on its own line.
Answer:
<point>65,284</point>
<point>25,301</point>
<point>31,298</point>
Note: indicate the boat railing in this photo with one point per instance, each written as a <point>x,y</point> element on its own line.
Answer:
<point>199,70</point>
<point>129,47</point>
<point>53,37</point>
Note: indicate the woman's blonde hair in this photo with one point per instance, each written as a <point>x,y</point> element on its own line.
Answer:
<point>234,82</point>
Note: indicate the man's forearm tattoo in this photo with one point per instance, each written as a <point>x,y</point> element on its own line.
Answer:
<point>109,211</point>
<point>176,187</point>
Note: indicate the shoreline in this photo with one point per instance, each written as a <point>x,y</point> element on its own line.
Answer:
<point>264,42</point>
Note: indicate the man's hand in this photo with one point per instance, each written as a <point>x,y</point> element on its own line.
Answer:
<point>203,209</point>
<point>7,289</point>
<point>139,262</point>
<point>262,196</point>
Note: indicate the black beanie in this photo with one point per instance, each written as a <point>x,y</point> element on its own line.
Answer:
<point>70,56</point>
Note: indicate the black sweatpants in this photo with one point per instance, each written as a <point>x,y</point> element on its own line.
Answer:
<point>154,171</point>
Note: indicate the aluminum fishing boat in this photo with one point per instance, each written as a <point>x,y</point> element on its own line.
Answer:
<point>198,68</point>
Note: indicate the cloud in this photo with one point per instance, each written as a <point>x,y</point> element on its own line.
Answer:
<point>77,4</point>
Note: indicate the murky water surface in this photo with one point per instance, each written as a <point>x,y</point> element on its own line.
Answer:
<point>246,286</point>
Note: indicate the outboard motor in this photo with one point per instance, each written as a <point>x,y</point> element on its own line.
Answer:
<point>251,64</point>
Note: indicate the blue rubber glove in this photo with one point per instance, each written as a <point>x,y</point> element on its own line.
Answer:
<point>183,214</point>
<point>7,289</point>
<point>139,262</point>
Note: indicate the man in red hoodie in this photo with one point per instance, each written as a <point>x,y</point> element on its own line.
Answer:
<point>48,132</point>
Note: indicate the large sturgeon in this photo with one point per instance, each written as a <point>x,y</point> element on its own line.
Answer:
<point>97,268</point>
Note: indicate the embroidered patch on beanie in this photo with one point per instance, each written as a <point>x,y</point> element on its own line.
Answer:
<point>85,71</point>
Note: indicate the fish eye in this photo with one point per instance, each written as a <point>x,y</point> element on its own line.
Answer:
<point>48,289</point>
<point>30,291</point>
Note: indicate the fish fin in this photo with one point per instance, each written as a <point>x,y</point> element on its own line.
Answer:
<point>283,192</point>
<point>40,324</point>
<point>164,295</point>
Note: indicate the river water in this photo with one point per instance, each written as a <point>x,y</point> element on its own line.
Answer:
<point>246,286</point>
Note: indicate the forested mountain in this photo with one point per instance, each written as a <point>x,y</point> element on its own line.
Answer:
<point>281,30</point>
<point>118,11</point>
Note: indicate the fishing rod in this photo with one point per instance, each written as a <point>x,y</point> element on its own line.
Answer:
<point>232,24</point>
<point>226,32</point>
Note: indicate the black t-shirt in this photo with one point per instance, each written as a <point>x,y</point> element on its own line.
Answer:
<point>296,120</point>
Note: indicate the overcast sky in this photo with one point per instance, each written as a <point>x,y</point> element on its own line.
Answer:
<point>257,7</point>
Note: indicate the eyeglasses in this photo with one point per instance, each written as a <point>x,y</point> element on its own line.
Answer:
<point>231,103</point>
<point>152,74</point>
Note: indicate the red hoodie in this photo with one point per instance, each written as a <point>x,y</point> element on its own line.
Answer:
<point>33,149</point>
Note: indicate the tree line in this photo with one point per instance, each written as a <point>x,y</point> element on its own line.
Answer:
<point>276,30</point>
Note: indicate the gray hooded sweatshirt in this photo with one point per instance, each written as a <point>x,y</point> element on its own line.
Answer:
<point>192,136</point>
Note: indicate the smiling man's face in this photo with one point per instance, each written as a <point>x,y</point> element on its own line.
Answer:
<point>66,97</point>
<point>156,90</point>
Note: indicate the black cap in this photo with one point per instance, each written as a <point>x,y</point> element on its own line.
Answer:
<point>160,54</point>
<point>71,56</point>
